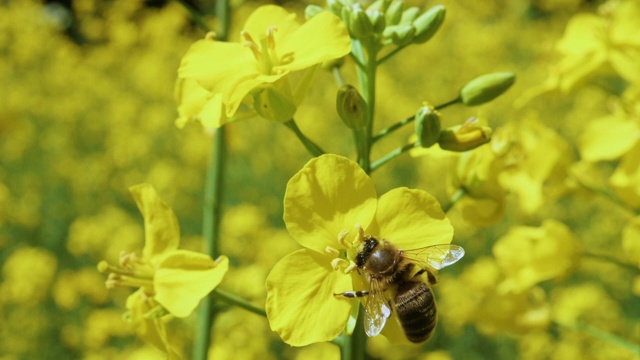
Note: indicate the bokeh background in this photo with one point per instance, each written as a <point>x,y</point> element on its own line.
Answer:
<point>87,110</point>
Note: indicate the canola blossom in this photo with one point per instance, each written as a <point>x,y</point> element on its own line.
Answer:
<point>215,77</point>
<point>170,280</point>
<point>325,204</point>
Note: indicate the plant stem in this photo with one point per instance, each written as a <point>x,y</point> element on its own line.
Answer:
<point>603,335</point>
<point>238,301</point>
<point>392,155</point>
<point>454,199</point>
<point>311,147</point>
<point>612,260</point>
<point>409,120</point>
<point>211,212</point>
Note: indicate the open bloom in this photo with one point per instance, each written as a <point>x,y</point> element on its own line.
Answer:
<point>216,77</point>
<point>169,280</point>
<point>328,204</point>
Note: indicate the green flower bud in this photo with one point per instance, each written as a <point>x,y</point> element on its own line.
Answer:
<point>399,34</point>
<point>409,15</point>
<point>428,23</point>
<point>360,26</point>
<point>379,5</point>
<point>486,88</point>
<point>378,21</point>
<point>351,107</point>
<point>427,126</point>
<point>394,12</point>
<point>464,137</point>
<point>272,104</point>
<point>311,11</point>
<point>335,6</point>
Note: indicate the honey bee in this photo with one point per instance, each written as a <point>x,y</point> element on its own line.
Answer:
<point>400,281</point>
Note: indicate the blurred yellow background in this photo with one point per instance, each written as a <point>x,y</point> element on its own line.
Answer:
<point>87,110</point>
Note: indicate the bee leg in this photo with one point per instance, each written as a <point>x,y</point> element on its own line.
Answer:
<point>352,294</point>
<point>431,277</point>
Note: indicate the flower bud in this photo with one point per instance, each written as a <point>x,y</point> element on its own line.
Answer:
<point>427,126</point>
<point>311,11</point>
<point>409,15</point>
<point>272,104</point>
<point>464,137</point>
<point>378,21</point>
<point>486,88</point>
<point>335,6</point>
<point>394,12</point>
<point>379,5</point>
<point>351,107</point>
<point>360,26</point>
<point>428,23</point>
<point>399,34</point>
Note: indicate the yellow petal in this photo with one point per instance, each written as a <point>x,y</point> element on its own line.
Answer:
<point>196,103</point>
<point>268,16</point>
<point>485,211</point>
<point>626,179</point>
<point>184,278</point>
<point>151,330</point>
<point>411,219</point>
<point>300,305</point>
<point>328,195</point>
<point>584,34</point>
<point>528,255</point>
<point>631,240</point>
<point>608,138</point>
<point>162,232</point>
<point>324,37</point>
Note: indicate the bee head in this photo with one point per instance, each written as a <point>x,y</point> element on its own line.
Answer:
<point>366,249</point>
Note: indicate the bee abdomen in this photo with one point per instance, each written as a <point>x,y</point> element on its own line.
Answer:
<point>416,310</point>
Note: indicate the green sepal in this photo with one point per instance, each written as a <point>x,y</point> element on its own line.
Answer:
<point>351,107</point>
<point>270,103</point>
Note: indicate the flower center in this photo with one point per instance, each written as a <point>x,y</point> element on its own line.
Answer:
<point>131,271</point>
<point>265,52</point>
<point>343,259</point>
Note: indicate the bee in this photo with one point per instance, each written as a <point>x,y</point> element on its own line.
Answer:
<point>400,281</point>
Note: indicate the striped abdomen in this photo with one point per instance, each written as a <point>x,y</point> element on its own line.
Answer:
<point>416,310</point>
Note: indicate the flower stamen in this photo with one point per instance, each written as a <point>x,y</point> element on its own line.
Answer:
<point>337,263</point>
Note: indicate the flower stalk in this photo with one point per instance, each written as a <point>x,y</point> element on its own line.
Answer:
<point>211,212</point>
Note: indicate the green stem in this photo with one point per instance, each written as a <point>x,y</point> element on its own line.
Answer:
<point>337,74</point>
<point>212,200</point>
<point>612,260</point>
<point>211,233</point>
<point>359,338</point>
<point>454,199</point>
<point>390,54</point>
<point>311,147</point>
<point>239,302</point>
<point>603,335</point>
<point>392,155</point>
<point>409,120</point>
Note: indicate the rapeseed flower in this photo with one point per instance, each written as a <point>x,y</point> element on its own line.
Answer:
<point>216,77</point>
<point>529,255</point>
<point>170,281</point>
<point>328,207</point>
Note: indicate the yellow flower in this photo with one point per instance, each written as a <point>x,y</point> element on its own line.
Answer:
<point>529,255</point>
<point>328,198</point>
<point>592,44</point>
<point>273,45</point>
<point>169,280</point>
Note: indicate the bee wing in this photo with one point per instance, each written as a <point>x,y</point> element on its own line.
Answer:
<point>436,256</point>
<point>377,311</point>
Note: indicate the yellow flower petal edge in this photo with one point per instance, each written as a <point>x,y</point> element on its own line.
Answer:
<point>328,195</point>
<point>300,304</point>
<point>162,232</point>
<point>411,219</point>
<point>184,278</point>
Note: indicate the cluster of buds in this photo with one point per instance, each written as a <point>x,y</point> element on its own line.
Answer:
<point>386,21</point>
